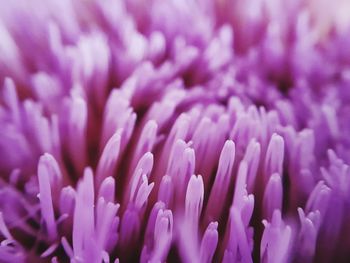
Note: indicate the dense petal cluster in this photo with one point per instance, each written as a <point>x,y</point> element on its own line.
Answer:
<point>174,131</point>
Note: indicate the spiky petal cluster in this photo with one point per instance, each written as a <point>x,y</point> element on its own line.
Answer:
<point>174,131</point>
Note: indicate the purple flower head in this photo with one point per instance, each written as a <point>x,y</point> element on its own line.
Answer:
<point>175,131</point>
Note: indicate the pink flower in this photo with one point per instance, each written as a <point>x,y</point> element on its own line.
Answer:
<point>174,131</point>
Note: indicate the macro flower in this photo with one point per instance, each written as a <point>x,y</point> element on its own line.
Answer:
<point>175,131</point>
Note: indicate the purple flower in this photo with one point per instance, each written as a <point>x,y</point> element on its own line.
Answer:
<point>174,131</point>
